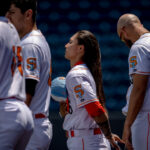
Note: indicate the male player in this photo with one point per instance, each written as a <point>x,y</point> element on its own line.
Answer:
<point>16,122</point>
<point>137,38</point>
<point>37,66</point>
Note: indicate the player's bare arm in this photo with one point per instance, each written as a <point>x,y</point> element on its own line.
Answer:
<point>136,102</point>
<point>99,114</point>
<point>63,109</point>
<point>137,97</point>
<point>104,124</point>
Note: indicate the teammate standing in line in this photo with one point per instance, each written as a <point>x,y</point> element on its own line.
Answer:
<point>86,121</point>
<point>137,38</point>
<point>37,67</point>
<point>16,122</point>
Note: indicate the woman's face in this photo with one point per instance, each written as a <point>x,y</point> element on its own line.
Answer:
<point>72,48</point>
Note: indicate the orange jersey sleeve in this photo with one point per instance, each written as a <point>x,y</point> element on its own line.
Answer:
<point>94,109</point>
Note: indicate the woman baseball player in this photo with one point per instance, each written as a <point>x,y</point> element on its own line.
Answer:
<point>86,120</point>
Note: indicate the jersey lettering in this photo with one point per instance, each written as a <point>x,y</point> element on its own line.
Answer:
<point>17,60</point>
<point>78,91</point>
<point>31,63</point>
<point>133,62</point>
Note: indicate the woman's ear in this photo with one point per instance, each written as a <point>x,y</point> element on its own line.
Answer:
<point>81,49</point>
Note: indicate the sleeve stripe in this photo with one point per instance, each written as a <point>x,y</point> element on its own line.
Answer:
<point>31,76</point>
<point>79,69</point>
<point>142,72</point>
<point>88,101</point>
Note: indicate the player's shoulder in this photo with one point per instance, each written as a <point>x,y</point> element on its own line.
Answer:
<point>34,37</point>
<point>8,31</point>
<point>6,25</point>
<point>79,71</point>
<point>4,22</point>
<point>143,41</point>
<point>142,45</point>
<point>35,40</point>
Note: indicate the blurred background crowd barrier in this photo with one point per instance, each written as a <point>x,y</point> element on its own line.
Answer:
<point>60,19</point>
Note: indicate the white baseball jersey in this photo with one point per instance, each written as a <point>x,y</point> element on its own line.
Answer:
<point>12,83</point>
<point>125,108</point>
<point>37,66</point>
<point>139,63</point>
<point>81,91</point>
<point>15,117</point>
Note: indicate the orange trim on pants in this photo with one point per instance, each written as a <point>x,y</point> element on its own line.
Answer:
<point>39,115</point>
<point>71,133</point>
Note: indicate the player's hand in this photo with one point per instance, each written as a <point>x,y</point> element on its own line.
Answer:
<point>127,137</point>
<point>63,108</point>
<point>114,143</point>
<point>117,138</point>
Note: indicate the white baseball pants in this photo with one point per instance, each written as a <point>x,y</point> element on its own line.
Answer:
<point>141,132</point>
<point>42,135</point>
<point>16,124</point>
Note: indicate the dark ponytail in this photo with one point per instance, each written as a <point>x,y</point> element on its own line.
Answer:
<point>92,59</point>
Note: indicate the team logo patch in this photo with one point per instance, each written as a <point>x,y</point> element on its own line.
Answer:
<point>31,64</point>
<point>133,61</point>
<point>79,92</point>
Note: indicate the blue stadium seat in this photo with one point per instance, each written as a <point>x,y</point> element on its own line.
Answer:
<point>64,4</point>
<point>83,26</point>
<point>59,20</point>
<point>94,15</point>
<point>145,3</point>
<point>74,15</point>
<point>84,4</point>
<point>125,3</point>
<point>54,16</point>
<point>105,26</point>
<point>63,27</point>
<point>44,5</point>
<point>104,4</point>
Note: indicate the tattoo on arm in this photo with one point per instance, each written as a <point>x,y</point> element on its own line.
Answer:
<point>105,127</point>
